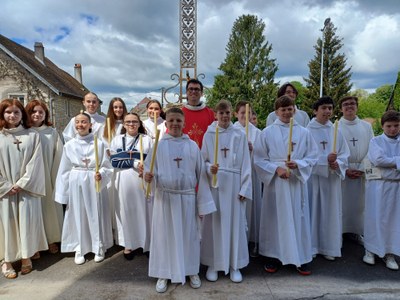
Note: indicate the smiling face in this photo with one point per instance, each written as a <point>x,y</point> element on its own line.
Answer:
<point>391,128</point>
<point>131,124</point>
<point>118,110</point>
<point>38,115</point>
<point>241,115</point>
<point>91,103</point>
<point>175,123</point>
<point>12,116</point>
<point>224,117</point>
<point>290,92</point>
<point>82,124</point>
<point>284,113</point>
<point>194,93</point>
<point>153,109</point>
<point>349,109</point>
<point>323,113</point>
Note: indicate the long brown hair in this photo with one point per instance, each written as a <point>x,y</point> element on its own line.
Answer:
<point>4,104</point>
<point>111,115</point>
<point>30,107</point>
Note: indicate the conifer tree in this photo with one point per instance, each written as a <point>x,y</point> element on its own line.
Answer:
<point>247,71</point>
<point>336,75</point>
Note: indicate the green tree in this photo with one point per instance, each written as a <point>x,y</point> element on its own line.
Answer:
<point>301,97</point>
<point>336,76</point>
<point>395,95</point>
<point>247,71</point>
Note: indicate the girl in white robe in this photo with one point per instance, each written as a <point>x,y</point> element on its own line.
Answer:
<point>21,187</point>
<point>154,110</point>
<point>382,205</point>
<point>132,211</point>
<point>91,104</point>
<point>52,151</point>
<point>253,208</point>
<point>181,196</point>
<point>224,240</point>
<point>115,115</point>
<point>87,222</point>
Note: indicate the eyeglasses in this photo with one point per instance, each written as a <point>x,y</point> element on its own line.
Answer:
<point>131,122</point>
<point>349,104</point>
<point>194,89</point>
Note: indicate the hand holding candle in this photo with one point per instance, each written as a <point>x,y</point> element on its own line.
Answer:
<point>214,177</point>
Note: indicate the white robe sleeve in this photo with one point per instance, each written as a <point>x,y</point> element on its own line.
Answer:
<point>62,181</point>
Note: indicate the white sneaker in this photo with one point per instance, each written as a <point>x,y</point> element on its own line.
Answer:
<point>161,286</point>
<point>235,275</point>
<point>211,275</point>
<point>100,256</point>
<point>369,257</point>
<point>391,262</point>
<point>79,259</point>
<point>195,281</point>
<point>328,257</point>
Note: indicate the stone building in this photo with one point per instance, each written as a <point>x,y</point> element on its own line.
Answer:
<point>28,75</point>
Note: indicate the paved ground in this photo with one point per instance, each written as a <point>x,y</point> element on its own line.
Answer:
<point>57,277</point>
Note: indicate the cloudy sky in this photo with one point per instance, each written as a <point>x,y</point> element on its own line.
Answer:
<point>129,48</point>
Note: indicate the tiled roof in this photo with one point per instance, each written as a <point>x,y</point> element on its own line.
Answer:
<point>56,79</point>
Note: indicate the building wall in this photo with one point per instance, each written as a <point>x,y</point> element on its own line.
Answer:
<point>16,81</point>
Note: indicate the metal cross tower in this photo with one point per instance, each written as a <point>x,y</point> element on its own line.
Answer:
<point>188,47</point>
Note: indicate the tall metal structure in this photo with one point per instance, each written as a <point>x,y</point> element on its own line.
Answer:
<point>188,48</point>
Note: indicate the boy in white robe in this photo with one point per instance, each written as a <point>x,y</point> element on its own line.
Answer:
<point>87,222</point>
<point>253,208</point>
<point>300,116</point>
<point>357,133</point>
<point>91,104</point>
<point>382,205</point>
<point>181,196</point>
<point>285,233</point>
<point>224,241</point>
<point>325,186</point>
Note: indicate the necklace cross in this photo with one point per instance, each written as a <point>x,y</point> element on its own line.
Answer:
<point>324,143</point>
<point>86,161</point>
<point>17,142</point>
<point>354,141</point>
<point>178,159</point>
<point>225,149</point>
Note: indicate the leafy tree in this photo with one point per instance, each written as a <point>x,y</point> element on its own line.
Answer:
<point>247,71</point>
<point>336,76</point>
<point>395,96</point>
<point>301,97</point>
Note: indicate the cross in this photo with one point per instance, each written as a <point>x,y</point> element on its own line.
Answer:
<point>17,142</point>
<point>86,161</point>
<point>323,144</point>
<point>225,149</point>
<point>178,159</point>
<point>354,141</point>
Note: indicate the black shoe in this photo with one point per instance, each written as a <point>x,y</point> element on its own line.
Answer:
<point>271,267</point>
<point>304,270</point>
<point>129,256</point>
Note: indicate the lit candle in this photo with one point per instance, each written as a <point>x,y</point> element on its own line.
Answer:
<point>153,158</point>
<point>290,143</point>
<point>155,123</point>
<point>247,119</point>
<point>96,158</point>
<point>141,153</point>
<point>214,178</point>
<point>109,132</point>
<point>335,136</point>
